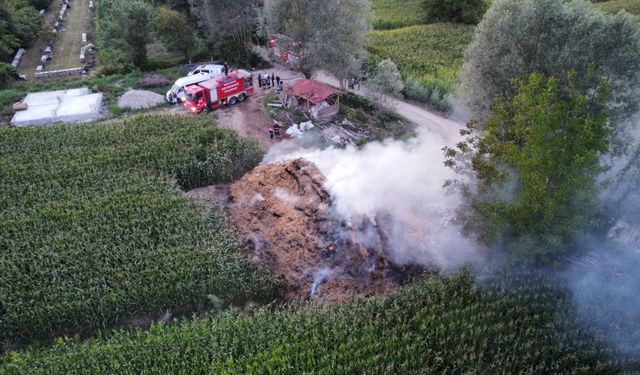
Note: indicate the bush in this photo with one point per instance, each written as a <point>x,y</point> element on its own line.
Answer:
<point>458,11</point>
<point>426,93</point>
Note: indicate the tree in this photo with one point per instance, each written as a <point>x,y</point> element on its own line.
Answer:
<point>333,32</point>
<point>229,26</point>
<point>386,83</point>
<point>520,37</point>
<point>460,11</point>
<point>26,24</point>
<point>387,79</point>
<point>536,164</point>
<point>133,22</point>
<point>175,31</point>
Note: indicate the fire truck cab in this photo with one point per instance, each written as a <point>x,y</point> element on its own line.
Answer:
<point>209,95</point>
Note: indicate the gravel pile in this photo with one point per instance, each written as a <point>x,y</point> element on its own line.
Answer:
<point>139,99</point>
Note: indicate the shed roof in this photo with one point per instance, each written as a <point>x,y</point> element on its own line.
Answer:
<point>311,90</point>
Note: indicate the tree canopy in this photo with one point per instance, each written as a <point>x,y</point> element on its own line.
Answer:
<point>536,164</point>
<point>520,37</point>
<point>333,32</point>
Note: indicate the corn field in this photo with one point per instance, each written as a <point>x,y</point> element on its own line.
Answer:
<point>430,54</point>
<point>614,6</point>
<point>443,326</point>
<point>394,14</point>
<point>95,229</point>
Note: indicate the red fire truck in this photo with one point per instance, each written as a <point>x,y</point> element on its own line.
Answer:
<point>209,95</point>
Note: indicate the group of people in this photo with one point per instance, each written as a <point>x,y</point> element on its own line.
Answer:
<point>274,130</point>
<point>268,81</point>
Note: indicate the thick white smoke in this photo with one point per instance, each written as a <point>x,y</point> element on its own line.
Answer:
<point>399,185</point>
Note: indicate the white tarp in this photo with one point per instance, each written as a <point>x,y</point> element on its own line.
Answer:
<point>44,108</point>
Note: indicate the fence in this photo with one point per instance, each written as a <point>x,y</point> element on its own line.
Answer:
<point>59,73</point>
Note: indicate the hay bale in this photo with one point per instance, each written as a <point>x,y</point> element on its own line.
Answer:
<point>20,106</point>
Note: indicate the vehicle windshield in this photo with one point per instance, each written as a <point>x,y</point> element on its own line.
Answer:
<point>190,97</point>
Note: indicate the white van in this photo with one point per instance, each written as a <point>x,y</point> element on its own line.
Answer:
<point>176,92</point>
<point>213,70</point>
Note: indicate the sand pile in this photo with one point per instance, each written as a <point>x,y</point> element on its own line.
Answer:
<point>286,215</point>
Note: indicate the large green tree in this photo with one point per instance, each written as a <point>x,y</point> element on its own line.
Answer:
<point>520,37</point>
<point>227,27</point>
<point>175,31</point>
<point>333,32</point>
<point>133,22</point>
<point>536,162</point>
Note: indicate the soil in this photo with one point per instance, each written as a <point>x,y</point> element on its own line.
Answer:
<point>286,216</point>
<point>249,118</point>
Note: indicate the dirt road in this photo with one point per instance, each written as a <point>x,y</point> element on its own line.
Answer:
<point>66,51</point>
<point>448,129</point>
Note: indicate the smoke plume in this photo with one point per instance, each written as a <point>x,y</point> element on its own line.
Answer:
<point>397,185</point>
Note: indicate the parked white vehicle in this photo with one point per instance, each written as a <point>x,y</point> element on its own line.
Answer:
<point>211,69</point>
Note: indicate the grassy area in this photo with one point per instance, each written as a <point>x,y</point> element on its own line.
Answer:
<point>393,14</point>
<point>430,55</point>
<point>112,86</point>
<point>95,229</point>
<point>446,326</point>
<point>614,6</point>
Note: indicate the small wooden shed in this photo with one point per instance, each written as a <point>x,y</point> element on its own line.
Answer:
<point>317,98</point>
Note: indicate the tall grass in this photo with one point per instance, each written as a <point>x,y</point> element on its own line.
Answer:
<point>95,229</point>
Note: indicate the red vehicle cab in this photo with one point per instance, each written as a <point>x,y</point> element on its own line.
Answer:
<point>209,95</point>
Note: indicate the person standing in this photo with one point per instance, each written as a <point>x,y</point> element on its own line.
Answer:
<point>278,80</point>
<point>226,69</point>
<point>260,80</point>
<point>273,79</point>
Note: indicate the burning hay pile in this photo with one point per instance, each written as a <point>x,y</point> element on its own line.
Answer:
<point>285,212</point>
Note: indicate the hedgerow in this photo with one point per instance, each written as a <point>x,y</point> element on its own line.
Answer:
<point>95,229</point>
